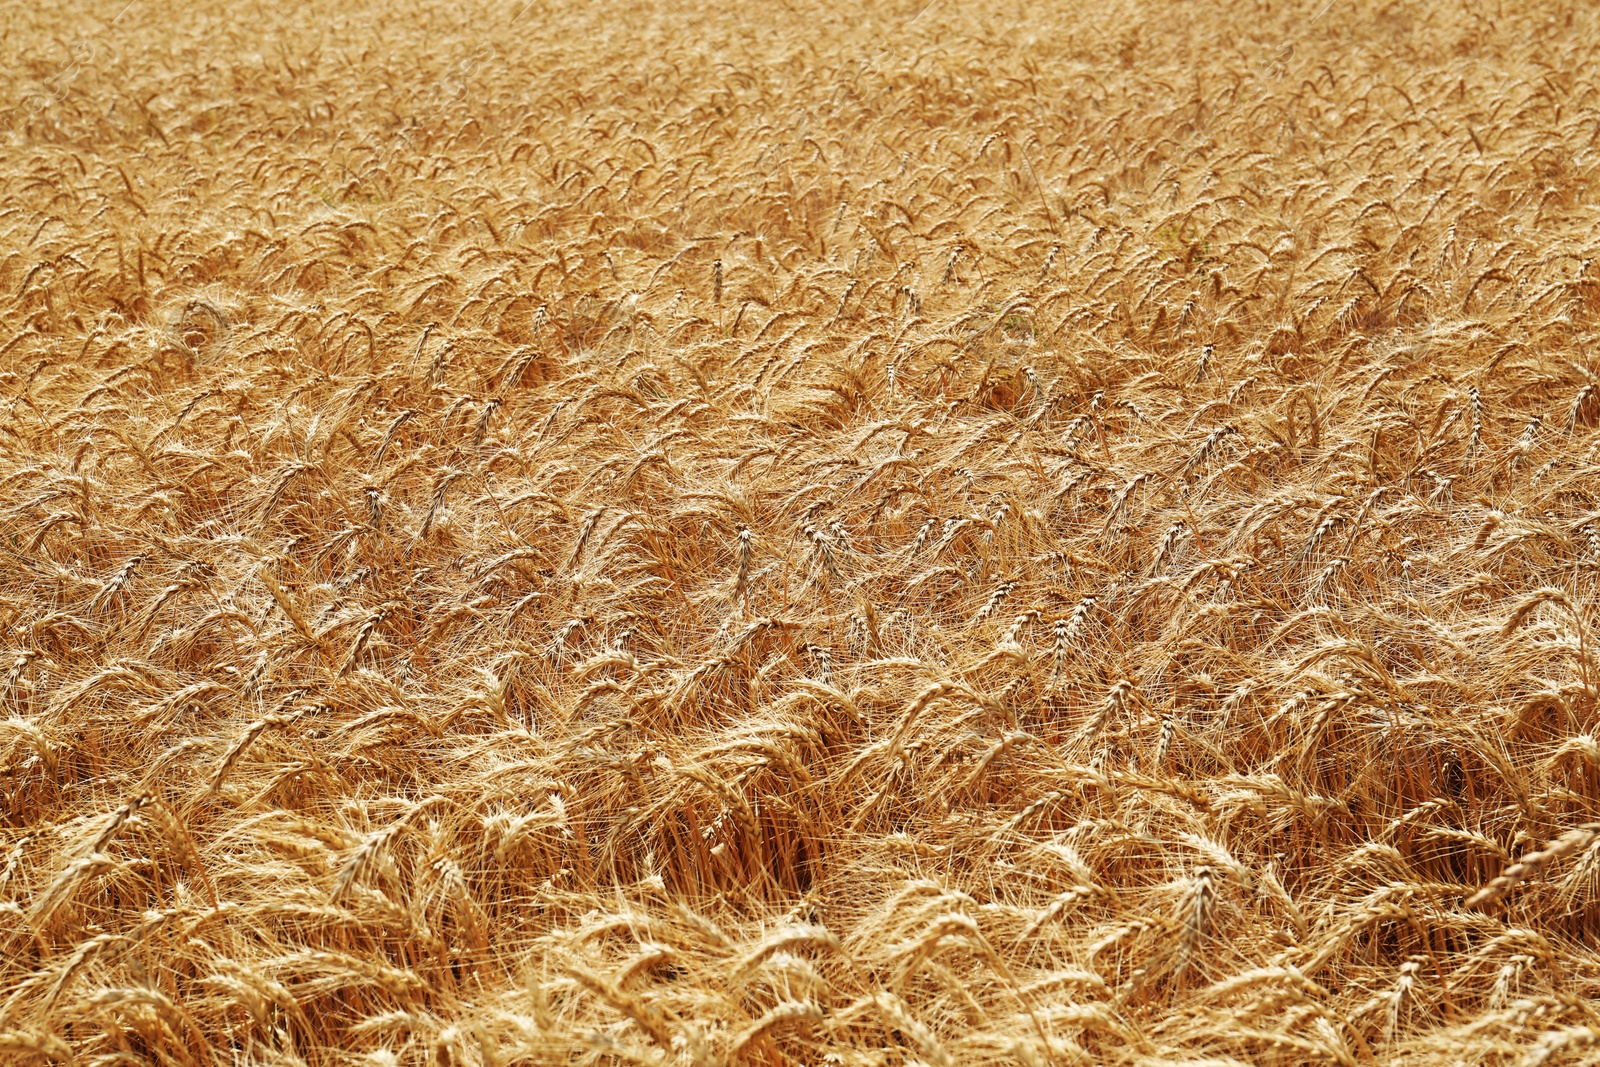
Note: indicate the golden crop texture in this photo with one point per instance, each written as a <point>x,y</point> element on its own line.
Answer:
<point>691,535</point>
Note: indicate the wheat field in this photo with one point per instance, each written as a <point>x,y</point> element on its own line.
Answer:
<point>932,534</point>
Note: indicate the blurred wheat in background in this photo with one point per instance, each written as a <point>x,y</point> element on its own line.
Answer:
<point>745,533</point>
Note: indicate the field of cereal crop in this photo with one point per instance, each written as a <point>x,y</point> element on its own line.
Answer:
<point>696,535</point>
